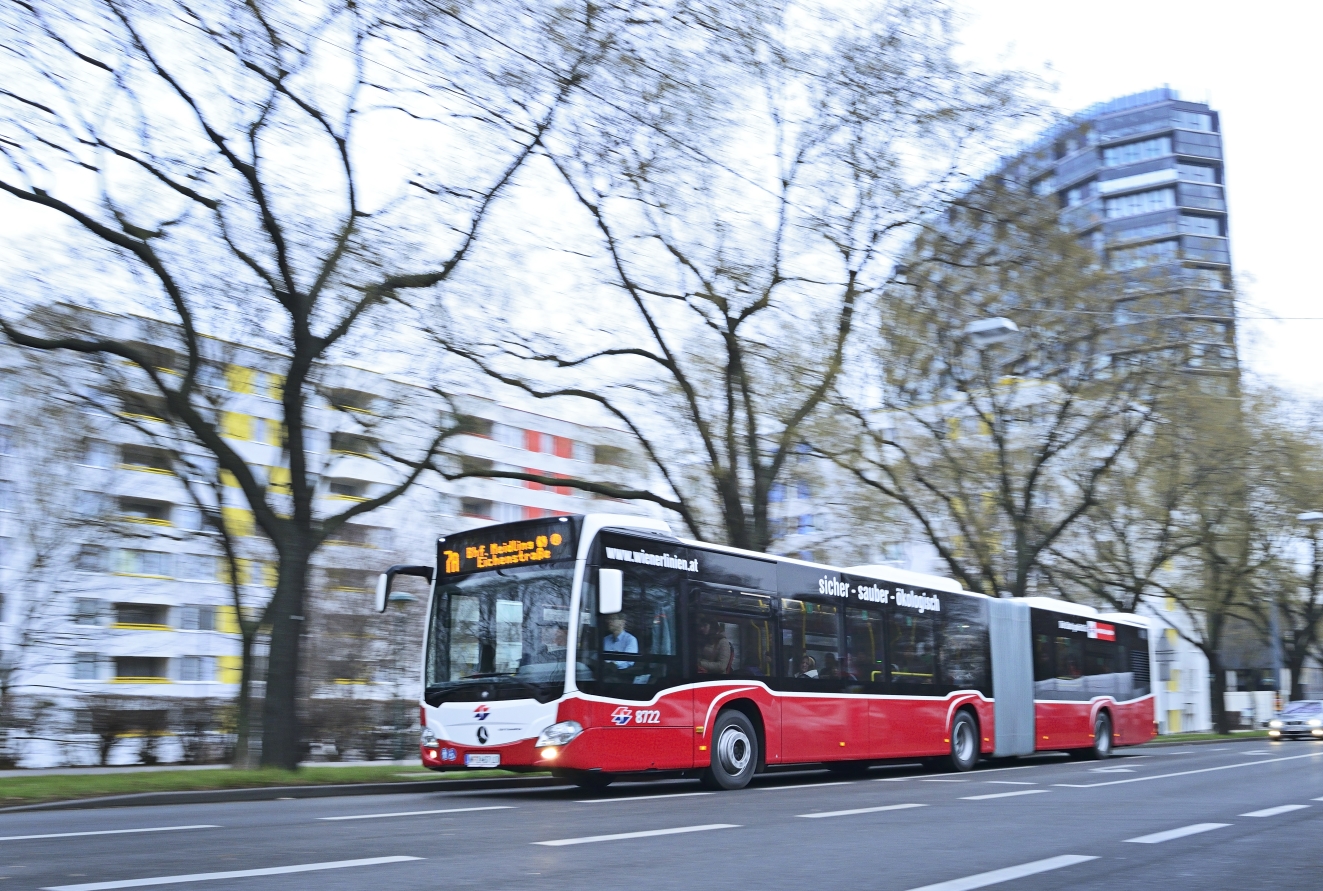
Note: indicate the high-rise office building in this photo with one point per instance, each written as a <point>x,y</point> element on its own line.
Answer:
<point>1141,179</point>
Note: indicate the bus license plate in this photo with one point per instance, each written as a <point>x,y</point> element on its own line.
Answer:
<point>482,760</point>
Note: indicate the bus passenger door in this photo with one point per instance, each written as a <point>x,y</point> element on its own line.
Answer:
<point>820,721</point>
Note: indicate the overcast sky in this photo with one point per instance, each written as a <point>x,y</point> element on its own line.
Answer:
<point>1259,64</point>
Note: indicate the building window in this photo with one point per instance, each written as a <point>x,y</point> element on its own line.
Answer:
<point>350,579</point>
<point>130,561</point>
<point>532,441</point>
<point>197,618</point>
<point>1144,255</point>
<point>1192,224</point>
<point>776,493</point>
<point>1208,279</point>
<point>475,466</point>
<point>143,669</point>
<point>196,567</point>
<point>137,457</point>
<point>348,489</point>
<point>6,439</point>
<point>1140,202</point>
<point>1081,193</point>
<point>1045,186</point>
<point>91,558</point>
<point>360,535</point>
<point>142,615</point>
<point>805,524</point>
<point>614,456</point>
<point>1136,151</point>
<point>197,668</point>
<point>138,405</point>
<point>1192,120</point>
<point>85,665</point>
<point>140,510</point>
<point>353,444</point>
<point>87,611</point>
<point>480,508</point>
<point>1199,173</point>
<point>474,426</point>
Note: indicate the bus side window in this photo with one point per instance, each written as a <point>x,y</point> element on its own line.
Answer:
<point>810,640</point>
<point>912,649</point>
<point>638,644</point>
<point>965,644</point>
<point>864,642</point>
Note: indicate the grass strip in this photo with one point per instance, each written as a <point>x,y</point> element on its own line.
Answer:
<point>42,788</point>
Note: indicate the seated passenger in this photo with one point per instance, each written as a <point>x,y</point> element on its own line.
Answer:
<point>808,667</point>
<point>830,667</point>
<point>716,655</point>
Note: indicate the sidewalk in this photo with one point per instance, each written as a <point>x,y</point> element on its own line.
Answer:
<point>156,768</point>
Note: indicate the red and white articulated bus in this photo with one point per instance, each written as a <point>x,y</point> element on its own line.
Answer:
<point>601,645</point>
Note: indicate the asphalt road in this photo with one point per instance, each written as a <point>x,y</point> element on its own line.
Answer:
<point>1229,816</point>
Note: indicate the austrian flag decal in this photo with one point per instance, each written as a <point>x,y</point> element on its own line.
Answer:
<point>1101,631</point>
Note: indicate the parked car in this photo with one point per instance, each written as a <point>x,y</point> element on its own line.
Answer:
<point>1299,720</point>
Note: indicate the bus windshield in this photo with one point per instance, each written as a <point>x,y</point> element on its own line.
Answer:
<point>500,634</point>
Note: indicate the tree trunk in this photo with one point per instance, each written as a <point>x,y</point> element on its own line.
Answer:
<point>243,721</point>
<point>1295,663</point>
<point>280,724</point>
<point>1217,689</point>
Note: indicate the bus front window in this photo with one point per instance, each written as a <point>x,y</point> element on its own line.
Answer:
<point>500,634</point>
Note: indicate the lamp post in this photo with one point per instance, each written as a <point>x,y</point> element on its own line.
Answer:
<point>986,332</point>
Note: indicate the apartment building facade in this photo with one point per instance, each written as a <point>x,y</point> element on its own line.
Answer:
<point>125,594</point>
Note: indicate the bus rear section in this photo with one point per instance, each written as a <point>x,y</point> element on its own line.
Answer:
<point>594,649</point>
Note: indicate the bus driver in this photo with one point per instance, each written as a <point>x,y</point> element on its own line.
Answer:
<point>619,640</point>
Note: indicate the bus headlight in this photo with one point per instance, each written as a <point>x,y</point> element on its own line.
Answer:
<point>1274,723</point>
<point>1316,723</point>
<point>428,737</point>
<point>558,734</point>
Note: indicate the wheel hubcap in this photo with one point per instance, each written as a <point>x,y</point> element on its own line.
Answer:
<point>964,742</point>
<point>734,750</point>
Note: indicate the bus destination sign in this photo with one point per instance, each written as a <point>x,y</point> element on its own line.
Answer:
<point>504,547</point>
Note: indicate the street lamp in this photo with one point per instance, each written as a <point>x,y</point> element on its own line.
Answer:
<point>986,332</point>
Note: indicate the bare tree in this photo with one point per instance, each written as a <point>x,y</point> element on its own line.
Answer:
<point>994,450</point>
<point>743,190</point>
<point>212,161</point>
<point>56,523</point>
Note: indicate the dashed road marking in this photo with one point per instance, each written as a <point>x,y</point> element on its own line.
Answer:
<point>1159,837</point>
<point>862,810</point>
<point>804,786</point>
<point>1010,873</point>
<point>1186,773</point>
<point>107,832</point>
<point>660,797</point>
<point>1002,794</point>
<point>1274,811</point>
<point>448,810</point>
<point>1010,783</point>
<point>649,833</point>
<point>233,874</point>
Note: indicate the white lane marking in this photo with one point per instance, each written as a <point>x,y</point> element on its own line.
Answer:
<point>106,832</point>
<point>923,776</point>
<point>804,786</point>
<point>945,781</point>
<point>586,840</point>
<point>1002,795</point>
<point>861,810</point>
<point>1111,770</point>
<point>997,876</point>
<point>646,797</point>
<point>1186,773</point>
<point>1010,783</point>
<point>448,810</point>
<point>1316,799</point>
<point>1274,811</point>
<point>1256,752</point>
<point>233,874</point>
<point>1159,837</point>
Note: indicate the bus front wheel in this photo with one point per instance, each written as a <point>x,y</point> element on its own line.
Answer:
<point>734,752</point>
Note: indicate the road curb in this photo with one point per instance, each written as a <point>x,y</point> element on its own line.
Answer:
<point>1158,744</point>
<point>268,793</point>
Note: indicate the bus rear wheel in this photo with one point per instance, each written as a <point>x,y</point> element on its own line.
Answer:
<point>1102,737</point>
<point>964,743</point>
<point>734,752</point>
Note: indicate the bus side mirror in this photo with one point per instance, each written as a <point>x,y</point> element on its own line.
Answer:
<point>610,591</point>
<point>387,578</point>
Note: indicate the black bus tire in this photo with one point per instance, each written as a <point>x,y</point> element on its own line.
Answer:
<point>1102,737</point>
<point>964,743</point>
<point>734,752</point>
<point>592,781</point>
